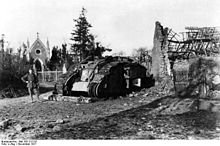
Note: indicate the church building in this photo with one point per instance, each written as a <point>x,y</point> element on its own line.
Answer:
<point>39,53</point>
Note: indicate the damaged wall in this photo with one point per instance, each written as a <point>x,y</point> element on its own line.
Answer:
<point>160,62</point>
<point>193,63</point>
<point>200,76</point>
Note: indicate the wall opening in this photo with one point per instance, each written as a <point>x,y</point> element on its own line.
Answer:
<point>38,65</point>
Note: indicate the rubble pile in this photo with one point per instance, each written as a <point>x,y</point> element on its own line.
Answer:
<point>164,88</point>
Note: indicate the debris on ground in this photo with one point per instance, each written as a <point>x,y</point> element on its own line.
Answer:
<point>75,99</point>
<point>20,128</point>
<point>57,128</point>
<point>153,113</point>
<point>4,124</point>
<point>60,121</point>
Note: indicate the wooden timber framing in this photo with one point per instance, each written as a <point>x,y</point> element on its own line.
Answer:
<point>196,41</point>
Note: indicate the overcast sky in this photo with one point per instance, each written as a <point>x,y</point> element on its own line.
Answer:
<point>119,24</point>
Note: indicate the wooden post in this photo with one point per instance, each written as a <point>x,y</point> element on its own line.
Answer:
<point>42,75</point>
<point>56,74</point>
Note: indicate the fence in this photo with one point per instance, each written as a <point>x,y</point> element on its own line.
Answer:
<point>49,76</point>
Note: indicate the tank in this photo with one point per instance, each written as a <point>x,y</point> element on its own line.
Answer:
<point>108,77</point>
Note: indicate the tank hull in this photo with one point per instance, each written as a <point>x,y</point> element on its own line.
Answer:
<point>109,77</point>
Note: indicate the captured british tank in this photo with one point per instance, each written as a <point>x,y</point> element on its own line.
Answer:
<point>107,77</point>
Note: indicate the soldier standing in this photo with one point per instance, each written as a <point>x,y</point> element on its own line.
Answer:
<point>32,83</point>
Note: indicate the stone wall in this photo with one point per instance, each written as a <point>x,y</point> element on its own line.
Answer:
<point>200,76</point>
<point>160,62</point>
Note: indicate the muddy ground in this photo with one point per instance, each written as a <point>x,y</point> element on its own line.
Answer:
<point>137,116</point>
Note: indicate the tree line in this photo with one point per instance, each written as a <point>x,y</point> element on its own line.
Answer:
<point>13,66</point>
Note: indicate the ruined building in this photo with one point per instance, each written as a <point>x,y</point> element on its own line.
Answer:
<point>190,59</point>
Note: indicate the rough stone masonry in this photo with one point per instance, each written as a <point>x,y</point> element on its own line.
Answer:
<point>160,62</point>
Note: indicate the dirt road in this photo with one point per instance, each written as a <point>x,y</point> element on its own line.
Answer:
<point>9,102</point>
<point>132,117</point>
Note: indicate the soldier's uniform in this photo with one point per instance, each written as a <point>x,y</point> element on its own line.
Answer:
<point>32,84</point>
